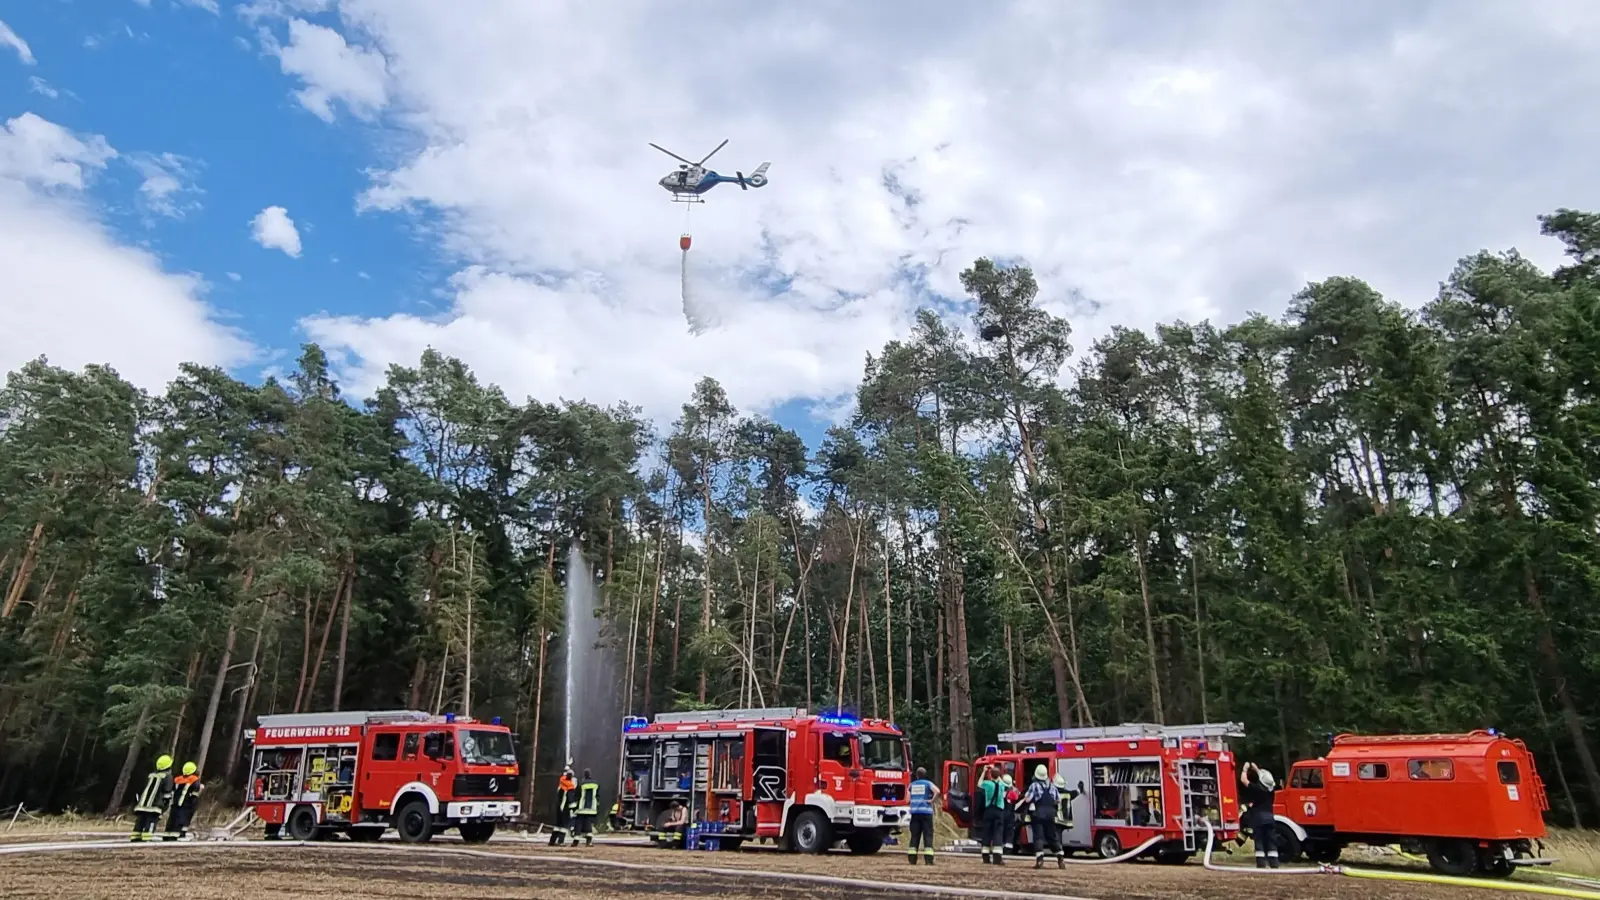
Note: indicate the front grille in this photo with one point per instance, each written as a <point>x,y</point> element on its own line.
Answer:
<point>485,786</point>
<point>889,793</point>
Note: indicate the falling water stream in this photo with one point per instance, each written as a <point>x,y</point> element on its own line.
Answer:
<point>593,715</point>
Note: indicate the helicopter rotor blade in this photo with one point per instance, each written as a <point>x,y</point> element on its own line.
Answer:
<point>713,153</point>
<point>671,154</point>
<point>742,185</point>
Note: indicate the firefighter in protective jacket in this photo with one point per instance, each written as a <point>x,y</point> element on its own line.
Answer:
<point>185,799</point>
<point>1039,807</point>
<point>566,800</point>
<point>153,800</point>
<point>588,808</point>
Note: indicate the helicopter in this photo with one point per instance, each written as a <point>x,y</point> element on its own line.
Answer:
<point>693,179</point>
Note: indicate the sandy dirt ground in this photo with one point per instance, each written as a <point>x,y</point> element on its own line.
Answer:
<point>237,871</point>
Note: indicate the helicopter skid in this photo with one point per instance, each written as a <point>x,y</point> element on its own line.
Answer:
<point>687,198</point>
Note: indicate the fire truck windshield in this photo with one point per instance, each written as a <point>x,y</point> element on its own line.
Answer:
<point>487,748</point>
<point>882,752</point>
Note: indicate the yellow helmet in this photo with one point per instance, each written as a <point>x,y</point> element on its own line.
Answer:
<point>163,763</point>
<point>190,768</point>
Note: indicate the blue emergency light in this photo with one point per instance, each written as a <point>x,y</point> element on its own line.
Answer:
<point>837,719</point>
<point>495,721</point>
<point>450,718</point>
<point>1493,732</point>
<point>634,723</point>
<point>991,750</point>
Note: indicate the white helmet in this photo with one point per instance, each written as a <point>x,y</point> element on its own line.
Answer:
<point>1040,773</point>
<point>1061,781</point>
<point>1267,781</point>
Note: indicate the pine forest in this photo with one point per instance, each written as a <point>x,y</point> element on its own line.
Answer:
<point>1364,515</point>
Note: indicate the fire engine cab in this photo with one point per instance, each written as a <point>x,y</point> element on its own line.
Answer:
<point>312,774</point>
<point>804,780</point>
<point>1149,786</point>
<point>1470,801</point>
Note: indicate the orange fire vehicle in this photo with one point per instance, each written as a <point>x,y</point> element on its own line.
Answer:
<point>1472,802</point>
<point>805,780</point>
<point>312,774</point>
<point>1155,785</point>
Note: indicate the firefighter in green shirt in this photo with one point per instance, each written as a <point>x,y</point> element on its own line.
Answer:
<point>588,809</point>
<point>992,824</point>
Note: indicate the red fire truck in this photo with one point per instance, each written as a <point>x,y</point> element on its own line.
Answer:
<point>1140,783</point>
<point>807,781</point>
<point>313,774</point>
<point>1470,801</point>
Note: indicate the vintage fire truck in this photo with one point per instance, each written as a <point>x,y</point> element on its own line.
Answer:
<point>1472,802</point>
<point>805,781</point>
<point>1155,785</point>
<point>314,774</point>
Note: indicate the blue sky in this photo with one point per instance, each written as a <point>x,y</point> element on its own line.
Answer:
<point>477,177</point>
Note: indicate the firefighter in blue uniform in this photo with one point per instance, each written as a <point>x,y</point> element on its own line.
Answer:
<point>923,795</point>
<point>1256,788</point>
<point>992,817</point>
<point>1039,805</point>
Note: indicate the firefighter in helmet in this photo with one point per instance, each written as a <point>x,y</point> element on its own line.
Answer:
<point>1256,788</point>
<point>1012,820</point>
<point>1039,805</point>
<point>185,799</point>
<point>153,800</point>
<point>588,808</point>
<point>566,799</point>
<point>1064,808</point>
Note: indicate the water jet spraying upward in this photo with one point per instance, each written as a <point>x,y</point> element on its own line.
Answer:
<point>593,692</point>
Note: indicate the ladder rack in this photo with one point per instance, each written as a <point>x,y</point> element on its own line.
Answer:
<point>1132,731</point>
<point>312,720</point>
<point>730,715</point>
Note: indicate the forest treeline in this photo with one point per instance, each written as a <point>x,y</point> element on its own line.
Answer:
<point>1357,517</point>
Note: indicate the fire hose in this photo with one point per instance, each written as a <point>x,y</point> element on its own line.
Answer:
<point>1121,858</point>
<point>1413,877</point>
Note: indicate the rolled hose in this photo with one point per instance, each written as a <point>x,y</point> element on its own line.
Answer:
<point>1414,877</point>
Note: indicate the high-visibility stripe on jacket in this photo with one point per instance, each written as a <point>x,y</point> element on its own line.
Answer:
<point>588,798</point>
<point>187,790</point>
<point>566,796</point>
<point>157,793</point>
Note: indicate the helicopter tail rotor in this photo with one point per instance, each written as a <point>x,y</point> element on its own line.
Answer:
<point>742,185</point>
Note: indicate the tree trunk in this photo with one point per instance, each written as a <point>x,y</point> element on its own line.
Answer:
<point>849,608</point>
<point>189,676</point>
<point>1011,679</point>
<point>1550,656</point>
<point>305,652</point>
<point>655,607</point>
<point>705,599</point>
<point>346,576</point>
<point>128,762</point>
<point>1555,753</point>
<point>344,645</point>
<point>1199,632</point>
<point>215,701</point>
<point>251,676</point>
<point>1149,633</point>
<point>888,628</point>
<point>24,571</point>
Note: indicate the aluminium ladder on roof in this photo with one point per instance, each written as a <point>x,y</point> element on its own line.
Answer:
<point>1133,731</point>
<point>730,715</point>
<point>311,720</point>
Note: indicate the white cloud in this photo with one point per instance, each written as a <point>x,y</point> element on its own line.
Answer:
<point>168,185</point>
<point>235,276</point>
<point>40,86</point>
<point>42,154</point>
<point>272,228</point>
<point>332,70</point>
<point>1197,163</point>
<point>9,38</point>
<point>209,6</point>
<point>74,292</point>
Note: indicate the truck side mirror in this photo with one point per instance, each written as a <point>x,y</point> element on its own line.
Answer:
<point>433,745</point>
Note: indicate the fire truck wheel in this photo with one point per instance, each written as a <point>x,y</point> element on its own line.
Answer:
<point>414,822</point>
<point>1452,856</point>
<point>1289,847</point>
<point>1107,845</point>
<point>865,841</point>
<point>1493,864</point>
<point>813,833</point>
<point>1325,852</point>
<point>476,832</point>
<point>302,824</point>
